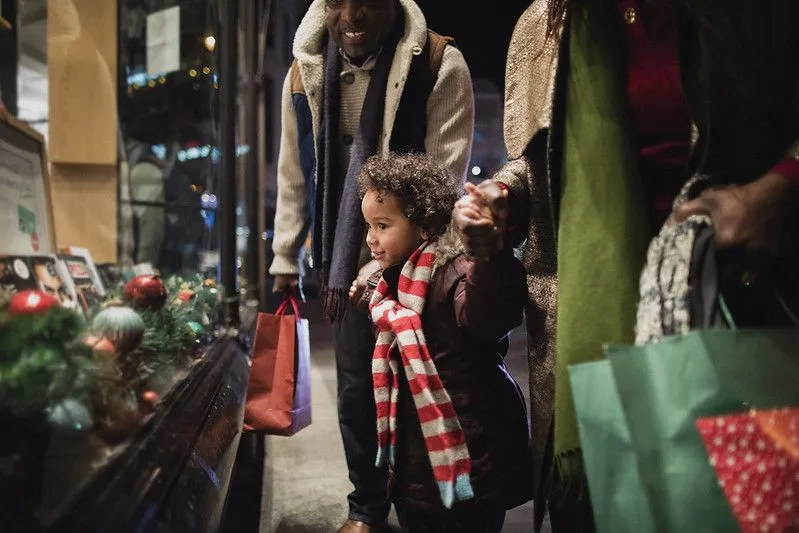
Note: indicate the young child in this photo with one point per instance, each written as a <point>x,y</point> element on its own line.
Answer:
<point>452,422</point>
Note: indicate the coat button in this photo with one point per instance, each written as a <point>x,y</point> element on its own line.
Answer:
<point>349,78</point>
<point>347,140</point>
<point>416,50</point>
<point>630,15</point>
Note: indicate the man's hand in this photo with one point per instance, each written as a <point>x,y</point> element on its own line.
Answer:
<point>746,218</point>
<point>480,218</point>
<point>359,283</point>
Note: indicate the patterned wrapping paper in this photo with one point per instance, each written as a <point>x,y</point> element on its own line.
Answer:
<point>756,459</point>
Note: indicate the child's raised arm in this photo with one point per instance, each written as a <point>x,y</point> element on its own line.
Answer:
<point>490,298</point>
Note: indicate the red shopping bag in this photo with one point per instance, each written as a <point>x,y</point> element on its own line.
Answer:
<point>279,391</point>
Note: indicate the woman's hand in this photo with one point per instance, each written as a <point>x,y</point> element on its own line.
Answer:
<point>749,218</point>
<point>480,218</point>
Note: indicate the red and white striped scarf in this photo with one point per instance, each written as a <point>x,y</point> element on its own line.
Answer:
<point>399,324</point>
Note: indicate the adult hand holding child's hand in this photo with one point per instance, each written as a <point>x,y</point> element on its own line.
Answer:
<point>480,218</point>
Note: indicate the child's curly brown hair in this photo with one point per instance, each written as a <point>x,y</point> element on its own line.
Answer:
<point>427,191</point>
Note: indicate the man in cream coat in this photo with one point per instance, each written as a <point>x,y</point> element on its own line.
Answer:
<point>368,78</point>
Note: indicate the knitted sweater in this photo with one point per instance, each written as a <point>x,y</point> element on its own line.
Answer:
<point>450,120</point>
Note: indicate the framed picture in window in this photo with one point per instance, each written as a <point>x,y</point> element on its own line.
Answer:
<point>26,210</point>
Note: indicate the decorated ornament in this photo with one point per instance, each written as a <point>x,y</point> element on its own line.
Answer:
<point>100,345</point>
<point>149,400</point>
<point>104,347</point>
<point>71,415</point>
<point>121,325</point>
<point>195,327</point>
<point>113,302</point>
<point>756,459</point>
<point>90,341</point>
<point>185,295</point>
<point>147,291</point>
<point>31,302</point>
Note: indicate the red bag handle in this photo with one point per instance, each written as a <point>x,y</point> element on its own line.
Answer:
<point>284,305</point>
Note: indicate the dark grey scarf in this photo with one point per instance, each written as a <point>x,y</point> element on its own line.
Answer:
<point>339,226</point>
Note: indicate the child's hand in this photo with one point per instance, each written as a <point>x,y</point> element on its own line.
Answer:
<point>474,206</point>
<point>356,290</point>
<point>480,219</point>
<point>359,284</point>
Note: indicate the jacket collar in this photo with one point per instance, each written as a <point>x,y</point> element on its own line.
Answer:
<point>311,34</point>
<point>391,275</point>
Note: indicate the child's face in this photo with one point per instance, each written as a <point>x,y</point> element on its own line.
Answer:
<point>391,236</point>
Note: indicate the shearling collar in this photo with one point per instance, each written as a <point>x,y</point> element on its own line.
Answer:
<point>310,35</point>
<point>449,247</point>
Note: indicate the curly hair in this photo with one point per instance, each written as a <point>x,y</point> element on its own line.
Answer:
<point>427,191</point>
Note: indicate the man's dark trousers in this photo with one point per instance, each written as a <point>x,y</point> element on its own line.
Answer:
<point>355,342</point>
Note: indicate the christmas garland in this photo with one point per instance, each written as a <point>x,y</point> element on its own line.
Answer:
<point>42,362</point>
<point>113,363</point>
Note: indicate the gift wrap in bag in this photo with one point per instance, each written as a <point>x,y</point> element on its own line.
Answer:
<point>661,390</point>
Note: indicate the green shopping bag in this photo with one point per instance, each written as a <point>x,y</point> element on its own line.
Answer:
<point>664,387</point>
<point>618,501</point>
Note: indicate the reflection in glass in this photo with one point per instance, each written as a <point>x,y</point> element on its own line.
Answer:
<point>169,126</point>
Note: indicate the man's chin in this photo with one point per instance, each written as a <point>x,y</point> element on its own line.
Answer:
<point>357,54</point>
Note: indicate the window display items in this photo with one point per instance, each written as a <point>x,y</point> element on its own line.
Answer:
<point>196,327</point>
<point>41,360</point>
<point>87,291</point>
<point>150,399</point>
<point>111,275</point>
<point>25,207</point>
<point>44,382</point>
<point>37,272</point>
<point>31,302</point>
<point>120,325</point>
<point>184,295</point>
<point>85,258</point>
<point>89,380</point>
<point>70,415</point>
<point>147,291</point>
<point>101,346</point>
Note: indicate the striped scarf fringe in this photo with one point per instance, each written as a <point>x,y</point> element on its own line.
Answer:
<point>399,323</point>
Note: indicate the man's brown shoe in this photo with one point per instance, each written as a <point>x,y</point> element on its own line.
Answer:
<point>356,526</point>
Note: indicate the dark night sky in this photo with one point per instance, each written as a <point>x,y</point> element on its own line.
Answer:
<point>481,28</point>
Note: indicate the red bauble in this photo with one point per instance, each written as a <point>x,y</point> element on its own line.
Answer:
<point>147,291</point>
<point>185,295</point>
<point>149,400</point>
<point>91,340</point>
<point>31,302</point>
<point>104,348</point>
